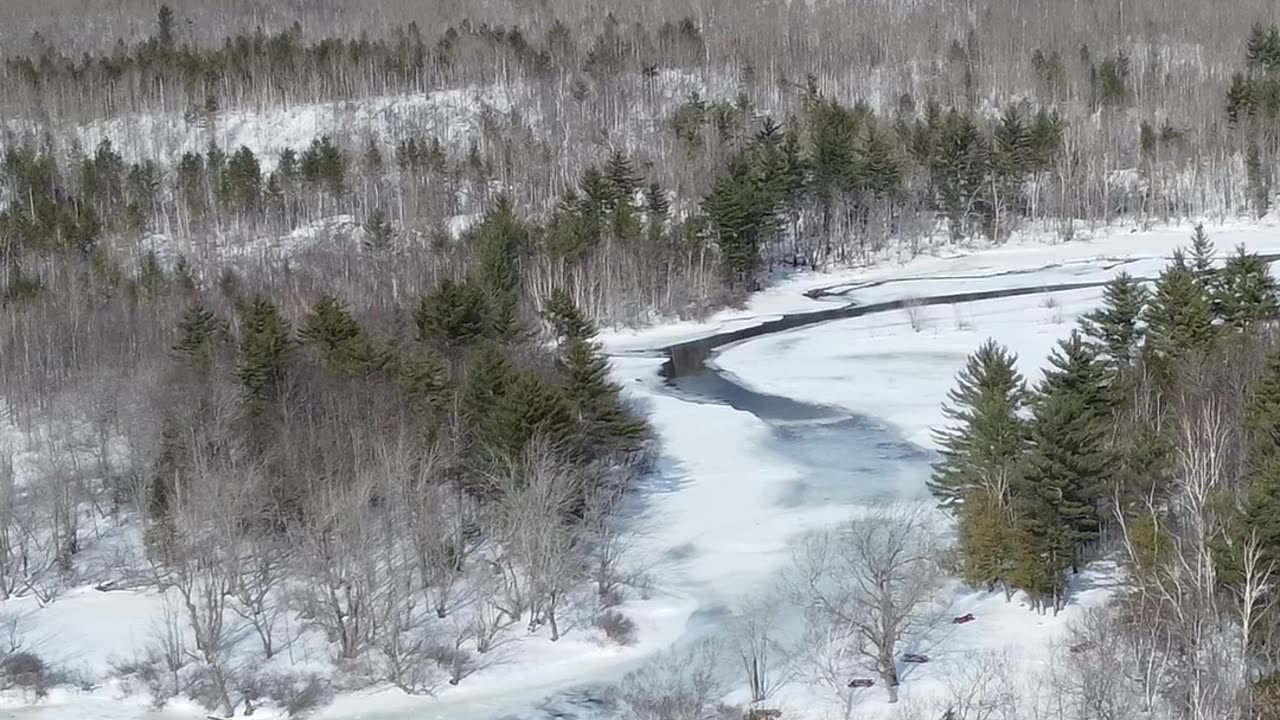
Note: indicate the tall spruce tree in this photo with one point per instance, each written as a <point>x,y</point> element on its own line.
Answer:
<point>531,407</point>
<point>1143,458</point>
<point>743,212</point>
<point>1262,417</point>
<point>1179,318</point>
<point>604,419</point>
<point>1203,254</point>
<point>623,180</point>
<point>423,380</point>
<point>1245,291</point>
<point>1115,330</point>
<point>959,158</point>
<point>378,233</point>
<point>566,320</point>
<point>1068,464</point>
<point>487,378</point>
<point>499,239</point>
<point>987,536</point>
<point>342,344</point>
<point>1260,514</point>
<point>983,442</point>
<point>265,354</point>
<point>199,334</point>
<point>453,315</point>
<point>1076,370</point>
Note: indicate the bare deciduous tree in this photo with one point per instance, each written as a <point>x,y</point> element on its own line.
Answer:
<point>263,561</point>
<point>869,586</point>
<point>980,686</point>
<point>684,685</point>
<point>755,636</point>
<point>202,564</point>
<point>1089,672</point>
<point>538,535</point>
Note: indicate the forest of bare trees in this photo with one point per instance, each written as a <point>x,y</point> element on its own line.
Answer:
<point>843,140</point>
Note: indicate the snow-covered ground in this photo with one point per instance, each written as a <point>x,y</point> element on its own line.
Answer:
<point>719,521</point>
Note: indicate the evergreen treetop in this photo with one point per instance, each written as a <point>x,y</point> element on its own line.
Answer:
<point>983,442</point>
<point>1245,292</point>
<point>1115,329</point>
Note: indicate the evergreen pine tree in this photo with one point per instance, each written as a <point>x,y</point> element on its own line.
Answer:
<point>215,165</point>
<point>170,469</point>
<point>1260,514</point>
<point>151,277</point>
<point>958,163</point>
<point>1012,156</point>
<point>1039,557</point>
<point>983,443</point>
<point>742,212</point>
<point>1259,182</point>
<point>322,163</point>
<point>164,27</point>
<point>242,181</point>
<point>498,239</point>
<point>1262,415</point>
<point>880,172</point>
<point>1246,292</point>
<point>531,407</point>
<point>622,177</point>
<point>1068,463</point>
<point>1202,257</point>
<point>986,534</point>
<point>833,131</point>
<point>185,276</point>
<point>372,157</point>
<point>605,421</point>
<point>229,284</point>
<point>1114,329</point>
<point>1046,140</point>
<point>566,320</point>
<point>795,169</point>
<point>345,349</point>
<point>1075,370</point>
<point>487,377</point>
<point>573,230</point>
<point>1142,468</point>
<point>423,380</point>
<point>1179,319</point>
<point>199,333</point>
<point>453,315</point>
<point>657,205</point>
<point>378,233</point>
<point>266,350</point>
<point>171,464</point>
